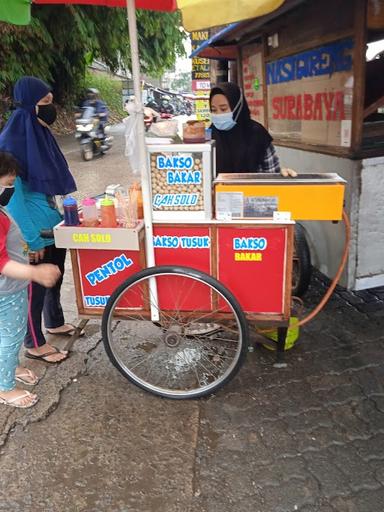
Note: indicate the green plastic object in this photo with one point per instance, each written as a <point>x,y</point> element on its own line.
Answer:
<point>292,334</point>
<point>107,201</point>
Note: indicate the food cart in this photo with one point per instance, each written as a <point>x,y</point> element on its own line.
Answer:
<point>223,248</point>
<point>304,73</point>
<point>182,331</point>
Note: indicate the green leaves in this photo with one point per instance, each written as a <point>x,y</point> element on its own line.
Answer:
<point>62,40</point>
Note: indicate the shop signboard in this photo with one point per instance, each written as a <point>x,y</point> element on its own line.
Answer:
<point>310,95</point>
<point>253,81</point>
<point>201,83</point>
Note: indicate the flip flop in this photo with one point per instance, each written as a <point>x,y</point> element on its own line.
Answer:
<point>31,375</point>
<point>13,401</point>
<point>42,357</point>
<point>68,332</point>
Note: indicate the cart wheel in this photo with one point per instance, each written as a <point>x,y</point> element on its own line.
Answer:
<point>197,344</point>
<point>302,269</point>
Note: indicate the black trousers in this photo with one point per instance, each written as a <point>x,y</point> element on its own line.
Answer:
<point>45,301</point>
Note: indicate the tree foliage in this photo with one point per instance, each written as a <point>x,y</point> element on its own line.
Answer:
<point>182,82</point>
<point>63,39</point>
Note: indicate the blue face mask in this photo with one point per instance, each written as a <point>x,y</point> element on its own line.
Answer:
<point>225,121</point>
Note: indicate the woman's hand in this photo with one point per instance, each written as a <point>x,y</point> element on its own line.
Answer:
<point>36,256</point>
<point>288,173</point>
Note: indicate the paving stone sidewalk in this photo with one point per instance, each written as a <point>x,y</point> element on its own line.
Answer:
<point>309,437</point>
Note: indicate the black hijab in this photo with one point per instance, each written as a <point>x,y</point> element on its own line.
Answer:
<point>241,149</point>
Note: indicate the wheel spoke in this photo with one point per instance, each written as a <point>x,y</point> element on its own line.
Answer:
<point>171,357</point>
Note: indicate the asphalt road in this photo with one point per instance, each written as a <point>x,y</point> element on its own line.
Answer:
<point>93,177</point>
<point>307,438</point>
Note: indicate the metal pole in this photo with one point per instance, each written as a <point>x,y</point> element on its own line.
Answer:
<point>145,175</point>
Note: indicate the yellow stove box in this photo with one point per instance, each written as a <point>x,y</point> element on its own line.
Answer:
<point>255,195</point>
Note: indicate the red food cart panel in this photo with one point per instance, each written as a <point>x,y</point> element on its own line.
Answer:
<point>101,272</point>
<point>186,246</point>
<point>252,263</point>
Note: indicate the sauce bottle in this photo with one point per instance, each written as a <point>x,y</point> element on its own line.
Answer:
<point>136,194</point>
<point>90,216</point>
<point>71,216</point>
<point>108,213</point>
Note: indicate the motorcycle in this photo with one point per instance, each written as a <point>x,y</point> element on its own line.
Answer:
<point>187,108</point>
<point>153,104</point>
<point>94,140</point>
<point>166,107</point>
<point>166,115</point>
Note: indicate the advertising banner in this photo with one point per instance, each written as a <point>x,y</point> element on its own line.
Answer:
<point>253,81</point>
<point>201,83</point>
<point>189,247</point>
<point>256,256</point>
<point>101,272</point>
<point>310,95</point>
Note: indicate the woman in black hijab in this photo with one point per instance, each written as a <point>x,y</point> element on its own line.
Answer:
<point>242,145</point>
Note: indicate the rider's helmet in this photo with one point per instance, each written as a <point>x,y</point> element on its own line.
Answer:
<point>92,94</point>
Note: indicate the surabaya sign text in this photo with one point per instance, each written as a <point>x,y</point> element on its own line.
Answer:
<point>321,106</point>
<point>310,94</point>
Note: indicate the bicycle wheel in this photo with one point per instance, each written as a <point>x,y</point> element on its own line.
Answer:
<point>195,347</point>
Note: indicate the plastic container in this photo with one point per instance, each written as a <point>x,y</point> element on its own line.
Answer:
<point>108,213</point>
<point>136,196</point>
<point>90,215</point>
<point>71,215</point>
<point>194,132</point>
<point>126,208</point>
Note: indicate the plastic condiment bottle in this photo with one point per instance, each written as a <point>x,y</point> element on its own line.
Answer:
<point>135,190</point>
<point>71,216</point>
<point>108,213</point>
<point>90,217</point>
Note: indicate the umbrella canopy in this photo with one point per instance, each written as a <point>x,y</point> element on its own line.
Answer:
<point>17,12</point>
<point>153,5</point>
<point>197,14</point>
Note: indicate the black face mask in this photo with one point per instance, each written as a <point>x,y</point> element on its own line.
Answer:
<point>47,113</point>
<point>5,195</point>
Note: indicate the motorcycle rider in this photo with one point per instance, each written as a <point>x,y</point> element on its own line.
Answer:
<point>166,106</point>
<point>101,109</point>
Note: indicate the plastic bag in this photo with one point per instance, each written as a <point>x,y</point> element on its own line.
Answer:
<point>164,128</point>
<point>131,144</point>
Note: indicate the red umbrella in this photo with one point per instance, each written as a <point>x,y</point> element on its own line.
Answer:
<point>197,14</point>
<point>153,5</point>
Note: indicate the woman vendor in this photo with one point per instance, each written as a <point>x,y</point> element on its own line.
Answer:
<point>242,145</point>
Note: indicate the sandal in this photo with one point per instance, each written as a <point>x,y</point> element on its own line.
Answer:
<point>13,402</point>
<point>33,379</point>
<point>42,357</point>
<point>68,332</point>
